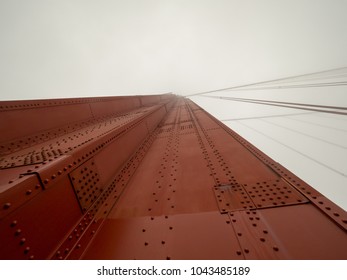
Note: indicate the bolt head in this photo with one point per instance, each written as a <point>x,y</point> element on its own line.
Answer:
<point>7,205</point>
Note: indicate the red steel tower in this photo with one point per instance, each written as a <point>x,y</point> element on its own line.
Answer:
<point>150,177</point>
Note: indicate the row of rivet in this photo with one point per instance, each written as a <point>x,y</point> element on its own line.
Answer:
<point>18,233</point>
<point>96,205</point>
<point>306,190</point>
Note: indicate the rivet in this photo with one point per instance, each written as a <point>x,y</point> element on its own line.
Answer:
<point>246,251</point>
<point>18,232</point>
<point>7,205</point>
<point>275,248</point>
<point>14,223</point>
<point>66,250</point>
<point>146,244</point>
<point>28,192</point>
<point>22,241</point>
<point>238,252</point>
<point>46,181</point>
<point>26,250</point>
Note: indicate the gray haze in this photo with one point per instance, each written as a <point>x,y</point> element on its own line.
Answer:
<point>87,47</point>
<point>71,48</point>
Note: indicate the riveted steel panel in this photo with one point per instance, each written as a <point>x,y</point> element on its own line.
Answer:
<point>51,171</point>
<point>33,231</point>
<point>78,238</point>
<point>31,121</point>
<point>232,198</point>
<point>87,227</point>
<point>29,158</point>
<point>333,211</point>
<point>305,233</point>
<point>187,127</point>
<point>165,130</point>
<point>191,236</point>
<point>168,181</point>
<point>243,164</point>
<point>119,185</point>
<point>113,105</point>
<point>154,118</point>
<point>17,192</point>
<point>207,122</point>
<point>109,160</point>
<point>33,140</point>
<point>274,193</point>
<point>86,183</point>
<point>255,236</point>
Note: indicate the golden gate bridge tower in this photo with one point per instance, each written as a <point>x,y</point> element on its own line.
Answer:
<point>150,177</point>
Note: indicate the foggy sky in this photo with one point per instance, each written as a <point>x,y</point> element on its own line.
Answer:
<point>86,48</point>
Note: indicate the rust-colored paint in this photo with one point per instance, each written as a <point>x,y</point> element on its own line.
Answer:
<point>150,177</point>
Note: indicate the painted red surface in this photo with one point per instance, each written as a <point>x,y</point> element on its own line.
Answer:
<point>150,177</point>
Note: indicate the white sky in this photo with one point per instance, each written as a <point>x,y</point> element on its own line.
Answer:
<point>71,48</point>
<point>85,48</point>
